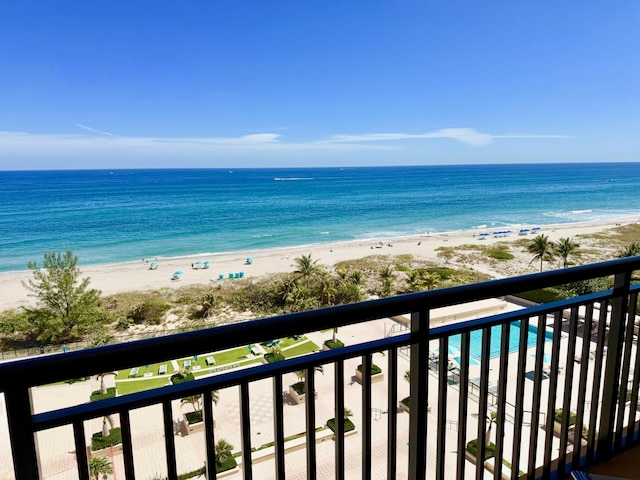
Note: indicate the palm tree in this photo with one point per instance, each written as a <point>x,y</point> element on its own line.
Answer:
<point>209,303</point>
<point>194,400</point>
<point>223,450</point>
<point>326,288</point>
<point>99,466</point>
<point>630,250</point>
<point>491,417</point>
<point>541,248</point>
<point>564,248</point>
<point>431,280</point>
<point>301,374</point>
<point>414,281</point>
<point>387,277</point>
<point>307,268</point>
<point>103,387</point>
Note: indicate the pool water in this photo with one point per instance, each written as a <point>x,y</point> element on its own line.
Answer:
<point>475,347</point>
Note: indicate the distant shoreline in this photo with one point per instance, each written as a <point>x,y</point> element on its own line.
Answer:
<point>132,276</point>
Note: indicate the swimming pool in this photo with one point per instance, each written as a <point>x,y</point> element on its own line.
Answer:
<point>475,347</point>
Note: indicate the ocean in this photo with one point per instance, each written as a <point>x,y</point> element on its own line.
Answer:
<point>113,216</point>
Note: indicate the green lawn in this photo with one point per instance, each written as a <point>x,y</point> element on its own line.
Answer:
<point>153,368</point>
<point>134,386</point>
<point>302,349</point>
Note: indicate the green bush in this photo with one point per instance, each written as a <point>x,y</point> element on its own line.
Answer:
<point>98,442</point>
<point>558,416</point>
<point>544,295</point>
<point>405,401</point>
<point>489,451</point>
<point>177,378</point>
<point>194,417</point>
<point>375,369</point>
<point>96,395</point>
<point>271,357</point>
<point>499,254</point>
<point>150,311</point>
<point>348,425</point>
<point>331,344</point>
<point>299,387</point>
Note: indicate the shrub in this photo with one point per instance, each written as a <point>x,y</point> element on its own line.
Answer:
<point>558,416</point>
<point>544,295</point>
<point>331,344</point>
<point>150,311</point>
<point>177,378</point>
<point>405,401</point>
<point>98,442</point>
<point>273,357</point>
<point>96,395</point>
<point>375,369</point>
<point>499,254</point>
<point>348,425</point>
<point>489,451</point>
<point>194,417</point>
<point>299,387</point>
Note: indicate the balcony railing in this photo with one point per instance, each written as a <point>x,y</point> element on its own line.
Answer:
<point>511,372</point>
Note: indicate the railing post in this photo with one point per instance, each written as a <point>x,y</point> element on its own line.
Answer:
<point>612,369</point>
<point>24,448</point>
<point>419,374</point>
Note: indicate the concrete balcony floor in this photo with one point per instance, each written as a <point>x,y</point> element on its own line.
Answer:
<point>623,466</point>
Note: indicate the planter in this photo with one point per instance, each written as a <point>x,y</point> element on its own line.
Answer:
<point>299,398</point>
<point>378,377</point>
<point>557,430</point>
<point>405,408</point>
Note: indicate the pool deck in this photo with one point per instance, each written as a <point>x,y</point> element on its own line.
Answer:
<point>56,446</point>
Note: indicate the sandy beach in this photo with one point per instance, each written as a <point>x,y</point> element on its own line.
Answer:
<point>123,277</point>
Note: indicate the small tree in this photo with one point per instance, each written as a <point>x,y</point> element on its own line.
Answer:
<point>491,418</point>
<point>66,307</point>
<point>99,466</point>
<point>223,451</point>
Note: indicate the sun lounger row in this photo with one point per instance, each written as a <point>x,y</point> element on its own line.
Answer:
<point>231,275</point>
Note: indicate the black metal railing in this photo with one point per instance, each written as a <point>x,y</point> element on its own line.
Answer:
<point>583,360</point>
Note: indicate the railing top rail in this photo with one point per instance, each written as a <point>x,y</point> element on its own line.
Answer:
<point>49,369</point>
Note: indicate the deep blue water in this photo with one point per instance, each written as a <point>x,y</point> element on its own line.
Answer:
<point>114,216</point>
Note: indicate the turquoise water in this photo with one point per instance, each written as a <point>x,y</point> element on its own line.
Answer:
<point>124,215</point>
<point>475,343</point>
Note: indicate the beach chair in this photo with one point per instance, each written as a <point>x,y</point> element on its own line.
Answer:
<point>221,276</point>
<point>211,361</point>
<point>241,274</point>
<point>236,275</point>
<point>162,370</point>
<point>231,275</point>
<point>134,371</point>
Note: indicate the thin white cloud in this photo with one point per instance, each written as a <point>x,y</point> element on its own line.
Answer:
<point>79,125</point>
<point>469,136</point>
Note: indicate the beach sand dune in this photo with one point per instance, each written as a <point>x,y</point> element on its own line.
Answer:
<point>134,276</point>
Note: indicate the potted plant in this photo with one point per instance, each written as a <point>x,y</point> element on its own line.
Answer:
<point>376,373</point>
<point>194,420</point>
<point>298,390</point>
<point>349,427</point>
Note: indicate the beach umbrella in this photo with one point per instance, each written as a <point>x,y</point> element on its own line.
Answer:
<point>199,262</point>
<point>154,263</point>
<point>207,262</point>
<point>178,272</point>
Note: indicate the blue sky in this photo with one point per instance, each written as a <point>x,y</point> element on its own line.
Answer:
<point>122,84</point>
